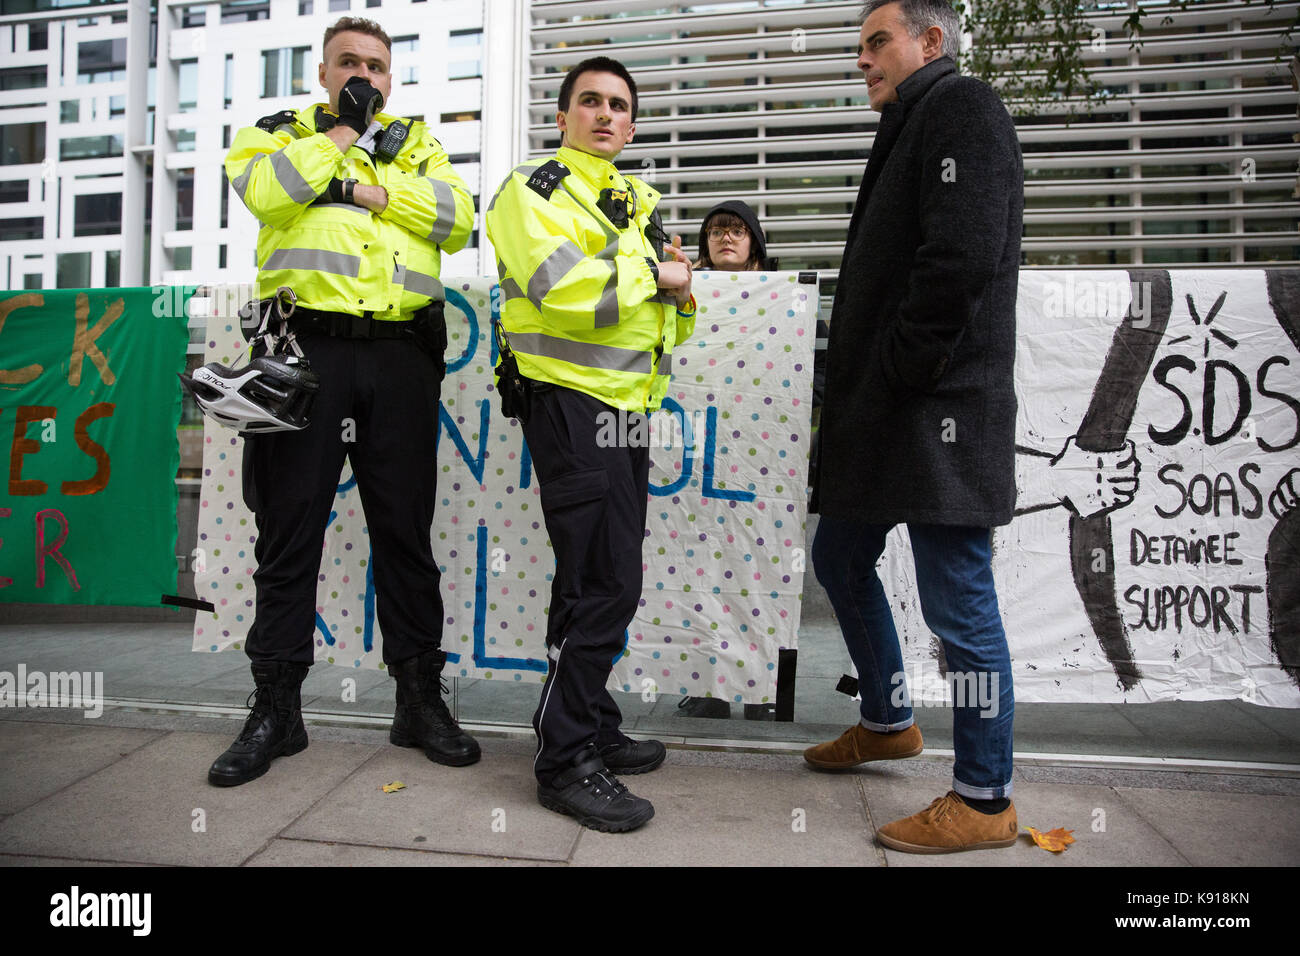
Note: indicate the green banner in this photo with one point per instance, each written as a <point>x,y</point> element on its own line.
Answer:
<point>89,404</point>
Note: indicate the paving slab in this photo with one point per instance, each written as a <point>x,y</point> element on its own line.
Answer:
<point>1128,840</point>
<point>1222,829</point>
<point>489,808</point>
<point>40,758</point>
<point>142,807</point>
<point>312,853</point>
<point>706,816</point>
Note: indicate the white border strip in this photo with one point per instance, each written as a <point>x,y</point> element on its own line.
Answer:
<point>1095,761</point>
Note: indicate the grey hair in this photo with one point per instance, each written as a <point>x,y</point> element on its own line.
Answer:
<point>919,15</point>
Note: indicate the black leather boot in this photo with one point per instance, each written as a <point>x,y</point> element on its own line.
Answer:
<point>273,729</point>
<point>422,719</point>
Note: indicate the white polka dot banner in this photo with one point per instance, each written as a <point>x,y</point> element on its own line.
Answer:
<point>724,554</point>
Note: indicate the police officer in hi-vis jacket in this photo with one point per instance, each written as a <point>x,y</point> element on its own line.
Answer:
<point>594,305</point>
<point>356,207</point>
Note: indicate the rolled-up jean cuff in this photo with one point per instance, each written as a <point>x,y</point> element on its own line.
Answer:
<point>981,793</point>
<point>887,728</point>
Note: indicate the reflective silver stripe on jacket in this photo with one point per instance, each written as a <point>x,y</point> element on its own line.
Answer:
<point>510,289</point>
<point>665,364</point>
<point>418,282</point>
<point>522,170</point>
<point>607,307</point>
<point>446,214</point>
<point>240,182</point>
<point>554,268</point>
<point>316,260</point>
<point>341,205</point>
<point>290,179</point>
<point>610,358</point>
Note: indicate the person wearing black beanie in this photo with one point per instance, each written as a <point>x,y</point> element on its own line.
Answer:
<point>730,251</point>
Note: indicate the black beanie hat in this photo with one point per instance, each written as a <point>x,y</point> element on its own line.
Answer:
<point>748,217</point>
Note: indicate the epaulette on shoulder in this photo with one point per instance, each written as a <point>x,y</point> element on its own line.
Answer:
<point>276,120</point>
<point>546,177</point>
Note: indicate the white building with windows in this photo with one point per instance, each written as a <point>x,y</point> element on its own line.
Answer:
<point>112,166</point>
<point>115,118</point>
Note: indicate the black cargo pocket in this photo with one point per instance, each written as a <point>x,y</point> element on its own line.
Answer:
<point>576,506</point>
<point>575,488</point>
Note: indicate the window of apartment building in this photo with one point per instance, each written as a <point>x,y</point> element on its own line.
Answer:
<point>97,214</point>
<point>463,57</point>
<point>225,203</point>
<point>187,86</point>
<point>194,16</point>
<point>402,47</point>
<point>336,5</point>
<point>284,72</point>
<point>373,3</point>
<point>13,190</point>
<point>304,8</point>
<point>112,268</point>
<point>22,143</point>
<point>34,281</point>
<point>28,227</point>
<point>185,200</point>
<point>238,11</point>
<point>465,116</point>
<point>229,92</point>
<point>38,36</point>
<point>72,270</point>
<point>23,78</point>
<point>70,111</point>
<point>101,61</point>
<point>90,147</point>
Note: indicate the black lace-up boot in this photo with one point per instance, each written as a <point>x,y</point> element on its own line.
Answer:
<point>593,795</point>
<point>273,729</point>
<point>422,719</point>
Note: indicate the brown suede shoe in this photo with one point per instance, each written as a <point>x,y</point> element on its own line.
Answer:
<point>859,745</point>
<point>949,826</point>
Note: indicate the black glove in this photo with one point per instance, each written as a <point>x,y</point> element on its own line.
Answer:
<point>358,103</point>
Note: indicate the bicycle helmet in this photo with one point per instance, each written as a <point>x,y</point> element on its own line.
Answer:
<point>269,394</point>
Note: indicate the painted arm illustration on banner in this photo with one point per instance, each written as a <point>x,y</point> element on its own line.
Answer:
<point>1282,574</point>
<point>1282,559</point>
<point>1103,434</point>
<point>1088,483</point>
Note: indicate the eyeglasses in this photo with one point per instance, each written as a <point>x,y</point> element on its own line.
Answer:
<point>716,234</point>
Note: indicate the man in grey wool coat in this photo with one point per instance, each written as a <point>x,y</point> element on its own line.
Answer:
<point>919,417</point>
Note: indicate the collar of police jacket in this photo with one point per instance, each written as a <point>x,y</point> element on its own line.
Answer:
<point>597,174</point>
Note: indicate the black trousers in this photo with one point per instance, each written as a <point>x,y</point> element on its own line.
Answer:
<point>594,500</point>
<point>378,406</point>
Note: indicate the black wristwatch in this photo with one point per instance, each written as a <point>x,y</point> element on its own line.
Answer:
<point>654,268</point>
<point>349,186</point>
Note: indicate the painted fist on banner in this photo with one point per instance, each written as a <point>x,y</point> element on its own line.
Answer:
<point>1286,497</point>
<point>1090,483</point>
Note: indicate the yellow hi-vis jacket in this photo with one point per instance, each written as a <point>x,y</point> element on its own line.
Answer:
<point>338,257</point>
<point>582,308</point>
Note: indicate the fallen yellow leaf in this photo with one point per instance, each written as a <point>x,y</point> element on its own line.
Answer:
<point>393,787</point>
<point>1054,840</point>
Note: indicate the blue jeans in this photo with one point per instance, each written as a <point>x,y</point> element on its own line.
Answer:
<point>954,577</point>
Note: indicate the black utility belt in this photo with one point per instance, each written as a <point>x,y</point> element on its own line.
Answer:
<point>365,326</point>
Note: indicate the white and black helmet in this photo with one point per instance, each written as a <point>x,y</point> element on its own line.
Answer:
<point>269,394</point>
